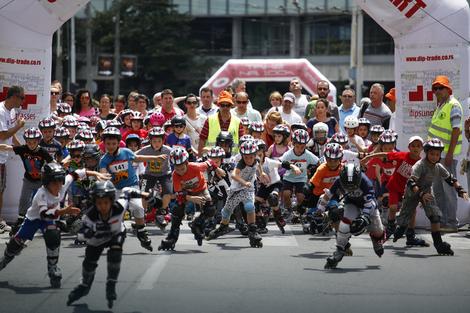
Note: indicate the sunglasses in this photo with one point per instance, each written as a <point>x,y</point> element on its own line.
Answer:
<point>242,102</point>
<point>54,93</point>
<point>438,88</point>
<point>191,102</point>
<point>179,126</point>
<point>84,97</point>
<point>346,96</point>
<point>225,105</point>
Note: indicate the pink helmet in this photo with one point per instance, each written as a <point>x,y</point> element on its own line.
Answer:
<point>157,119</point>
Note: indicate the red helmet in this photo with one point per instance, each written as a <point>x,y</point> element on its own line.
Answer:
<point>179,156</point>
<point>300,136</point>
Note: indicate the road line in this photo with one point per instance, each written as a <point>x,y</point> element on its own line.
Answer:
<point>151,275</point>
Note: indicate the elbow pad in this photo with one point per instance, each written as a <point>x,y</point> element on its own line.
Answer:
<point>286,165</point>
<point>451,180</point>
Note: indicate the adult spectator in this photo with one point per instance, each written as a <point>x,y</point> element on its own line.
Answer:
<point>68,98</point>
<point>194,120</point>
<point>142,104</point>
<point>132,100</point>
<point>55,96</point>
<point>321,115</point>
<point>391,103</point>
<point>348,107</point>
<point>446,124</point>
<point>83,106</point>
<point>239,85</point>
<point>168,109</point>
<point>323,89</point>
<point>272,120</point>
<point>287,114</point>
<point>207,100</point>
<point>119,104</point>
<point>105,108</point>
<point>157,100</point>
<point>242,110</point>
<point>223,120</point>
<point>9,126</point>
<point>57,84</point>
<point>376,112</point>
<point>301,101</point>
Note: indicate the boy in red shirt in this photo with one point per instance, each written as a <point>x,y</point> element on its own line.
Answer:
<point>137,124</point>
<point>189,184</point>
<point>397,183</point>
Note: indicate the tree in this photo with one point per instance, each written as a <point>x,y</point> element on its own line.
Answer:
<point>155,32</point>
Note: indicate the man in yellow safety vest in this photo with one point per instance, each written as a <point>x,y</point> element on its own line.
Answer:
<point>223,120</point>
<point>446,124</point>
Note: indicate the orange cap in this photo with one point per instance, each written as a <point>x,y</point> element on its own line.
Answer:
<point>391,95</point>
<point>225,97</point>
<point>442,80</point>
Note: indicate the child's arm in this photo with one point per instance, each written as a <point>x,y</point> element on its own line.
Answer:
<point>374,155</point>
<point>148,158</point>
<point>453,182</point>
<point>289,166</point>
<point>4,147</point>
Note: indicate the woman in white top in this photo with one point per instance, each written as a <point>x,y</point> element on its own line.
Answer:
<point>194,120</point>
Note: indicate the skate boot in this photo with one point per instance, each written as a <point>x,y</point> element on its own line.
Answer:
<point>295,217</point>
<point>83,288</point>
<point>399,232</point>
<point>347,250</point>
<point>443,248</point>
<point>160,221</point>
<point>306,223</point>
<point>210,226</point>
<point>261,224</point>
<point>55,276</point>
<point>111,292</point>
<point>15,228</point>
<point>412,240</point>
<point>280,222</point>
<point>14,247</point>
<point>197,227</point>
<point>378,244</point>
<point>219,231</point>
<point>254,236</point>
<point>332,261</point>
<point>142,235</point>
<point>242,228</point>
<point>390,229</point>
<point>170,241</point>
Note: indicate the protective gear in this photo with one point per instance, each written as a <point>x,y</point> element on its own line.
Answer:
<point>248,147</point>
<point>319,128</point>
<point>156,132</point>
<point>84,135</point>
<point>91,151</point>
<point>460,191</point>
<point>261,144</point>
<point>111,292</point>
<point>359,225</point>
<point>52,239</point>
<point>137,116</point>
<point>279,219</point>
<point>364,121</point>
<point>47,123</point>
<point>377,129</point>
<point>282,129</point>
<point>332,261</point>
<point>179,156</point>
<point>224,137</point>
<point>300,136</point>
<point>351,122</point>
<point>113,123</point>
<point>178,120</point>
<point>157,119</point>
<point>216,152</point>
<point>377,244</point>
<point>52,172</point>
<point>32,133</point>
<point>273,199</point>
<point>14,248</point>
<point>103,189</point>
<point>64,108</point>
<point>100,125</point>
<point>245,121</point>
<point>435,219</point>
<point>256,127</point>
<point>83,288</point>
<point>133,137</point>
<point>75,145</point>
<point>434,144</point>
<point>333,151</point>
<point>197,228</point>
<point>61,132</point>
<point>387,137</point>
<point>111,132</point>
<point>245,138</point>
<point>215,130</point>
<point>142,235</point>
<point>451,180</point>
<point>296,126</point>
<point>254,236</point>
<point>339,138</point>
<point>335,212</point>
<point>350,177</point>
<point>70,122</point>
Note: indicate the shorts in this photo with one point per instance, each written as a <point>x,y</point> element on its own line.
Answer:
<point>394,197</point>
<point>149,181</point>
<point>295,187</point>
<point>29,228</point>
<point>3,177</point>
<point>264,191</point>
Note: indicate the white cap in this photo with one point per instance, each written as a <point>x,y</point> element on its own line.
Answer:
<point>414,138</point>
<point>289,96</point>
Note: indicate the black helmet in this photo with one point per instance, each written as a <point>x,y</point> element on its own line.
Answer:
<point>178,120</point>
<point>224,137</point>
<point>103,189</point>
<point>91,151</point>
<point>52,172</point>
<point>350,177</point>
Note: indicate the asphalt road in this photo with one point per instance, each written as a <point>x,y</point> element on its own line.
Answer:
<point>226,275</point>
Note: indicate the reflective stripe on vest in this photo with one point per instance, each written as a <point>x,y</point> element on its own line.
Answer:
<point>441,126</point>
<point>214,131</point>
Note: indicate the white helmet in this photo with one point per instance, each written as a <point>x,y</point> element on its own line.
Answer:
<point>351,122</point>
<point>320,128</point>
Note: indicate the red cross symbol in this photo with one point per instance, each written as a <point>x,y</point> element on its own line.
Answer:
<point>28,98</point>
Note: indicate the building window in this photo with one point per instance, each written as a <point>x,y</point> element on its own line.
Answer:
<point>265,36</point>
<point>199,7</point>
<point>237,7</point>
<point>376,39</point>
<point>329,35</point>
<point>182,6</point>
<point>213,34</point>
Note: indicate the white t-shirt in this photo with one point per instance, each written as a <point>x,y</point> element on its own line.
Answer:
<point>213,110</point>
<point>291,118</point>
<point>300,105</point>
<point>353,147</point>
<point>194,128</point>
<point>7,121</point>
<point>252,114</point>
<point>271,168</point>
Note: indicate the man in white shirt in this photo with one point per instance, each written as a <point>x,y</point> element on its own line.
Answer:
<point>242,110</point>
<point>9,126</point>
<point>287,112</point>
<point>301,100</point>
<point>207,107</point>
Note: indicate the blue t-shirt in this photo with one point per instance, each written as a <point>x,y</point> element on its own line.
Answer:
<point>302,162</point>
<point>172,140</point>
<point>120,167</point>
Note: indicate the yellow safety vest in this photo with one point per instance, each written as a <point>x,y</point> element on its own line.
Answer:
<point>214,130</point>
<point>441,126</point>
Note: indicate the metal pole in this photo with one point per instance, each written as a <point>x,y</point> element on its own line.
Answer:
<point>360,55</point>
<point>73,56</point>
<point>89,74</point>
<point>59,56</point>
<point>117,51</point>
<point>353,59</point>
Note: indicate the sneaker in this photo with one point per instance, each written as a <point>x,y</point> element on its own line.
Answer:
<point>4,227</point>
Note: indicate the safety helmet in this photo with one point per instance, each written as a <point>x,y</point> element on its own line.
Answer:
<point>111,132</point>
<point>91,151</point>
<point>351,122</point>
<point>157,119</point>
<point>350,177</point>
<point>282,129</point>
<point>256,127</point>
<point>133,137</point>
<point>216,152</point>
<point>300,136</point>
<point>70,121</point>
<point>224,137</point>
<point>245,138</point>
<point>261,144</point>
<point>248,147</point>
<point>364,121</point>
<point>101,125</point>
<point>47,123</point>
<point>113,123</point>
<point>84,134</point>
<point>84,120</point>
<point>245,121</point>
<point>320,128</point>
<point>64,108</point>
<point>61,132</point>
<point>178,120</point>
<point>32,133</point>
<point>156,132</point>
<point>378,129</point>
<point>433,144</point>
<point>339,138</point>
<point>387,137</point>
<point>52,172</point>
<point>333,151</point>
<point>75,145</point>
<point>295,126</point>
<point>137,116</point>
<point>103,189</point>
<point>179,156</point>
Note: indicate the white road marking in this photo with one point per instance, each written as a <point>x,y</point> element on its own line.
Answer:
<point>151,275</point>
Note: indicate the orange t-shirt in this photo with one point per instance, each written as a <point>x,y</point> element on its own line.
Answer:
<point>193,180</point>
<point>324,178</point>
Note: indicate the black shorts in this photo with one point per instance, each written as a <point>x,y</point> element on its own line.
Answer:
<point>295,187</point>
<point>264,191</point>
<point>148,182</point>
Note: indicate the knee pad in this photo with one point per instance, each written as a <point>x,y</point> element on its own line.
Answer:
<point>249,207</point>
<point>435,219</point>
<point>52,238</point>
<point>14,247</point>
<point>343,235</point>
<point>273,199</point>
<point>114,254</point>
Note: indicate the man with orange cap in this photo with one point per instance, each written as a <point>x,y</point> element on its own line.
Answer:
<point>223,120</point>
<point>446,124</point>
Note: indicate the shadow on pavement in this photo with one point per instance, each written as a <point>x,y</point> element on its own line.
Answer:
<point>339,270</point>
<point>83,308</point>
<point>314,255</point>
<point>182,252</point>
<point>24,290</point>
<point>320,238</point>
<point>224,246</point>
